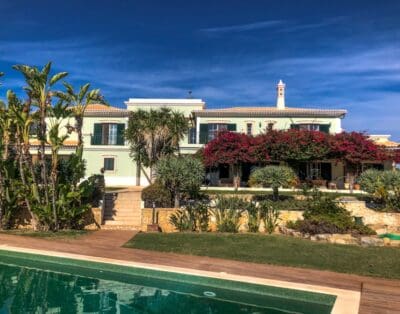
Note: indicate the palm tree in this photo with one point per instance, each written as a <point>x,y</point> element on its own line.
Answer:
<point>39,91</point>
<point>79,102</point>
<point>21,118</point>
<point>57,114</point>
<point>153,134</point>
<point>178,127</point>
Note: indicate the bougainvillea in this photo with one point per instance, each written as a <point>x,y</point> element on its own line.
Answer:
<point>294,145</point>
<point>354,148</point>
<point>228,148</point>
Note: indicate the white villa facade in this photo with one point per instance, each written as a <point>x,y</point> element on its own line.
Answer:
<point>105,147</point>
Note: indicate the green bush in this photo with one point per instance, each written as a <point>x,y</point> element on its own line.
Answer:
<point>253,217</point>
<point>384,188</point>
<point>325,215</point>
<point>180,175</point>
<point>274,177</point>
<point>227,212</point>
<point>194,217</point>
<point>270,215</point>
<point>158,194</point>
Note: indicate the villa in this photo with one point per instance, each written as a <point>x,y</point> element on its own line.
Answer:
<point>105,147</point>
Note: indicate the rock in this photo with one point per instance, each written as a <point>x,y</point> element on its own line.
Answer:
<point>313,238</point>
<point>387,241</point>
<point>322,237</point>
<point>297,234</point>
<point>371,241</point>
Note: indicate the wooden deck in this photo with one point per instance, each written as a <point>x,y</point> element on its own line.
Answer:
<point>378,296</point>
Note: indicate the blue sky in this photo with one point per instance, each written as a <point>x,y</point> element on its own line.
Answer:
<point>331,54</point>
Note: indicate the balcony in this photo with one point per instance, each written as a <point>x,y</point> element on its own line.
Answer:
<point>99,139</point>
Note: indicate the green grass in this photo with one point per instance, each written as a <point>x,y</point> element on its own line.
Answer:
<point>62,234</point>
<point>278,250</point>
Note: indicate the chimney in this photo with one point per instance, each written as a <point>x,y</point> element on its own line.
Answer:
<point>280,100</point>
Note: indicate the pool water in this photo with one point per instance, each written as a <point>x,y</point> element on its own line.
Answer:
<point>41,284</point>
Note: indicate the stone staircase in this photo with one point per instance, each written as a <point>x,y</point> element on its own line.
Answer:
<point>122,210</point>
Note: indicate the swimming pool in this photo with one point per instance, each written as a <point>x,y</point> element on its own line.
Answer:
<point>31,283</point>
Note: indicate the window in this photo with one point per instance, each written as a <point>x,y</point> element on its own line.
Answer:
<point>108,134</point>
<point>249,128</point>
<point>270,126</point>
<point>312,127</point>
<point>314,170</point>
<point>109,164</point>
<point>208,131</point>
<point>309,127</point>
<point>214,128</point>
<point>192,136</point>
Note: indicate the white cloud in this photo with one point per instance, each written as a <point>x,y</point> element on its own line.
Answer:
<point>242,27</point>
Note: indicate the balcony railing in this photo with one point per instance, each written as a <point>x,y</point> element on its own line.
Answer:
<point>98,139</point>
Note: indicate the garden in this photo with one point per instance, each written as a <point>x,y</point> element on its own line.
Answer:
<point>40,188</point>
<point>310,214</point>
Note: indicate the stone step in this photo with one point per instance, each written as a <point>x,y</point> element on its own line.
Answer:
<point>121,223</point>
<point>120,227</point>
<point>119,217</point>
<point>123,212</point>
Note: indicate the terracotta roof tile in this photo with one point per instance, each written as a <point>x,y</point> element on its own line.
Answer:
<point>35,142</point>
<point>271,111</point>
<point>104,110</point>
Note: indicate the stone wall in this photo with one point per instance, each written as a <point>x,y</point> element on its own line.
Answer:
<point>379,221</point>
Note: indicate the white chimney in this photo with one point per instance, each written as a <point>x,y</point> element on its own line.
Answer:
<point>280,100</point>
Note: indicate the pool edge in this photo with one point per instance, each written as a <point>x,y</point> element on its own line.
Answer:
<point>347,301</point>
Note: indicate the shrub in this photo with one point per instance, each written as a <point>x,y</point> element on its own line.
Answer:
<point>194,217</point>
<point>270,215</point>
<point>227,212</point>
<point>182,220</point>
<point>158,194</point>
<point>274,177</point>
<point>383,186</point>
<point>179,175</point>
<point>97,184</point>
<point>325,215</point>
<point>254,217</point>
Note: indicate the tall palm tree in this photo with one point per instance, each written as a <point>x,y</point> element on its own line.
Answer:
<point>57,114</point>
<point>40,93</point>
<point>153,134</point>
<point>78,102</point>
<point>178,128</point>
<point>22,119</point>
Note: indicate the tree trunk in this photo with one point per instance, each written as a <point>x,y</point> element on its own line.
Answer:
<point>236,177</point>
<point>177,199</point>
<point>79,125</point>
<point>42,151</point>
<point>54,187</point>
<point>275,193</point>
<point>34,220</point>
<point>138,171</point>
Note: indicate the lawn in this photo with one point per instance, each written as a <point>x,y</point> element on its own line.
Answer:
<point>278,250</point>
<point>62,234</point>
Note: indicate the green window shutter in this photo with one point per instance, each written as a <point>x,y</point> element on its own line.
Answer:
<point>120,134</point>
<point>231,127</point>
<point>324,128</point>
<point>109,164</point>
<point>294,126</point>
<point>203,133</point>
<point>97,133</point>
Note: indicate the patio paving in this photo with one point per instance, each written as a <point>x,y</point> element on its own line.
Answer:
<point>380,296</point>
